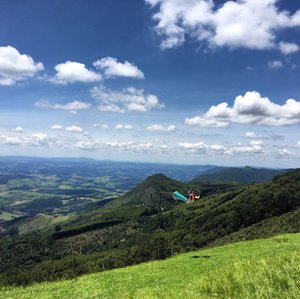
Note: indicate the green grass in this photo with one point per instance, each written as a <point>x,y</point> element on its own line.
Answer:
<point>6,216</point>
<point>42,222</point>
<point>268,268</point>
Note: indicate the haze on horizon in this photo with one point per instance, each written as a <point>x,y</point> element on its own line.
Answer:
<point>171,81</point>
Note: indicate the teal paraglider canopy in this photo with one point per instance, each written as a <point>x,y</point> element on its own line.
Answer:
<point>179,196</point>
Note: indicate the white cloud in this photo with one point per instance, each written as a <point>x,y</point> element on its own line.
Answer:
<point>112,68</point>
<point>74,128</point>
<point>15,66</point>
<point>161,128</point>
<point>86,145</point>
<point>254,147</point>
<point>298,144</point>
<point>251,108</point>
<point>123,127</point>
<point>71,72</point>
<point>205,122</point>
<point>127,100</point>
<point>101,126</point>
<point>250,135</point>
<point>19,129</point>
<point>202,148</point>
<point>275,64</point>
<point>288,48</point>
<point>72,107</point>
<point>249,24</point>
<point>56,127</point>
<point>38,139</point>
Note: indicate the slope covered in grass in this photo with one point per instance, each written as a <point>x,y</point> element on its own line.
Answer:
<point>267,268</point>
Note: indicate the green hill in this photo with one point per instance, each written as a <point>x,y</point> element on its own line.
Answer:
<point>246,175</point>
<point>266,269</point>
<point>126,232</point>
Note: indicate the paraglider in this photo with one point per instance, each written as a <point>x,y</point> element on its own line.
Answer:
<point>190,199</point>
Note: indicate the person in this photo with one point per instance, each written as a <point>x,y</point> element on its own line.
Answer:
<point>192,196</point>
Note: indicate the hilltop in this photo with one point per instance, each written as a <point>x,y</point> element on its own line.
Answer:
<point>267,268</point>
<point>246,175</point>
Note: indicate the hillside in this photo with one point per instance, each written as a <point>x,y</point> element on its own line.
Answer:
<point>267,268</point>
<point>126,232</point>
<point>246,175</point>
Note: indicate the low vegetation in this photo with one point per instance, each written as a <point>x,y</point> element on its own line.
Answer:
<point>266,269</point>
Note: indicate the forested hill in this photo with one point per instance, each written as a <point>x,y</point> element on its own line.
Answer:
<point>125,234</point>
<point>246,175</point>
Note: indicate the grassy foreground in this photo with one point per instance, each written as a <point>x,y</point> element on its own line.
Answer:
<point>268,268</point>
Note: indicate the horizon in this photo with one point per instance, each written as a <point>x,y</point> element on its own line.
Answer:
<point>190,82</point>
<point>141,162</point>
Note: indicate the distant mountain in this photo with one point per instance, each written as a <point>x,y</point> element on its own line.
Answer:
<point>246,175</point>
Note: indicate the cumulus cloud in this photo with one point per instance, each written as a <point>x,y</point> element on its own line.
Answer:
<point>89,145</point>
<point>71,106</point>
<point>288,48</point>
<point>250,135</point>
<point>234,24</point>
<point>251,108</point>
<point>56,127</point>
<point>298,144</point>
<point>74,128</point>
<point>123,127</point>
<point>126,100</point>
<point>101,126</point>
<point>72,72</point>
<point>15,66</point>
<point>275,64</point>
<point>19,129</point>
<point>161,128</point>
<point>113,68</point>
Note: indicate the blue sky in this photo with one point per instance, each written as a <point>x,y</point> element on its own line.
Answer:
<point>176,81</point>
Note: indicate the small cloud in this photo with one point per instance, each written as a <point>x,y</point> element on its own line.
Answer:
<point>250,135</point>
<point>288,48</point>
<point>275,64</point>
<point>101,126</point>
<point>15,66</point>
<point>72,72</point>
<point>72,107</point>
<point>19,129</point>
<point>123,127</point>
<point>298,144</point>
<point>74,128</point>
<point>126,100</point>
<point>86,145</point>
<point>56,127</point>
<point>113,68</point>
<point>161,128</point>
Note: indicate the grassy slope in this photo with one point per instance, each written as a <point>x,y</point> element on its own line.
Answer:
<point>268,268</point>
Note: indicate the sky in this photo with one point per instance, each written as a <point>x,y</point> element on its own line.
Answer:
<point>169,81</point>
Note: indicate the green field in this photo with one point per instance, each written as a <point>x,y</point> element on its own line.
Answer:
<point>267,268</point>
<point>6,216</point>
